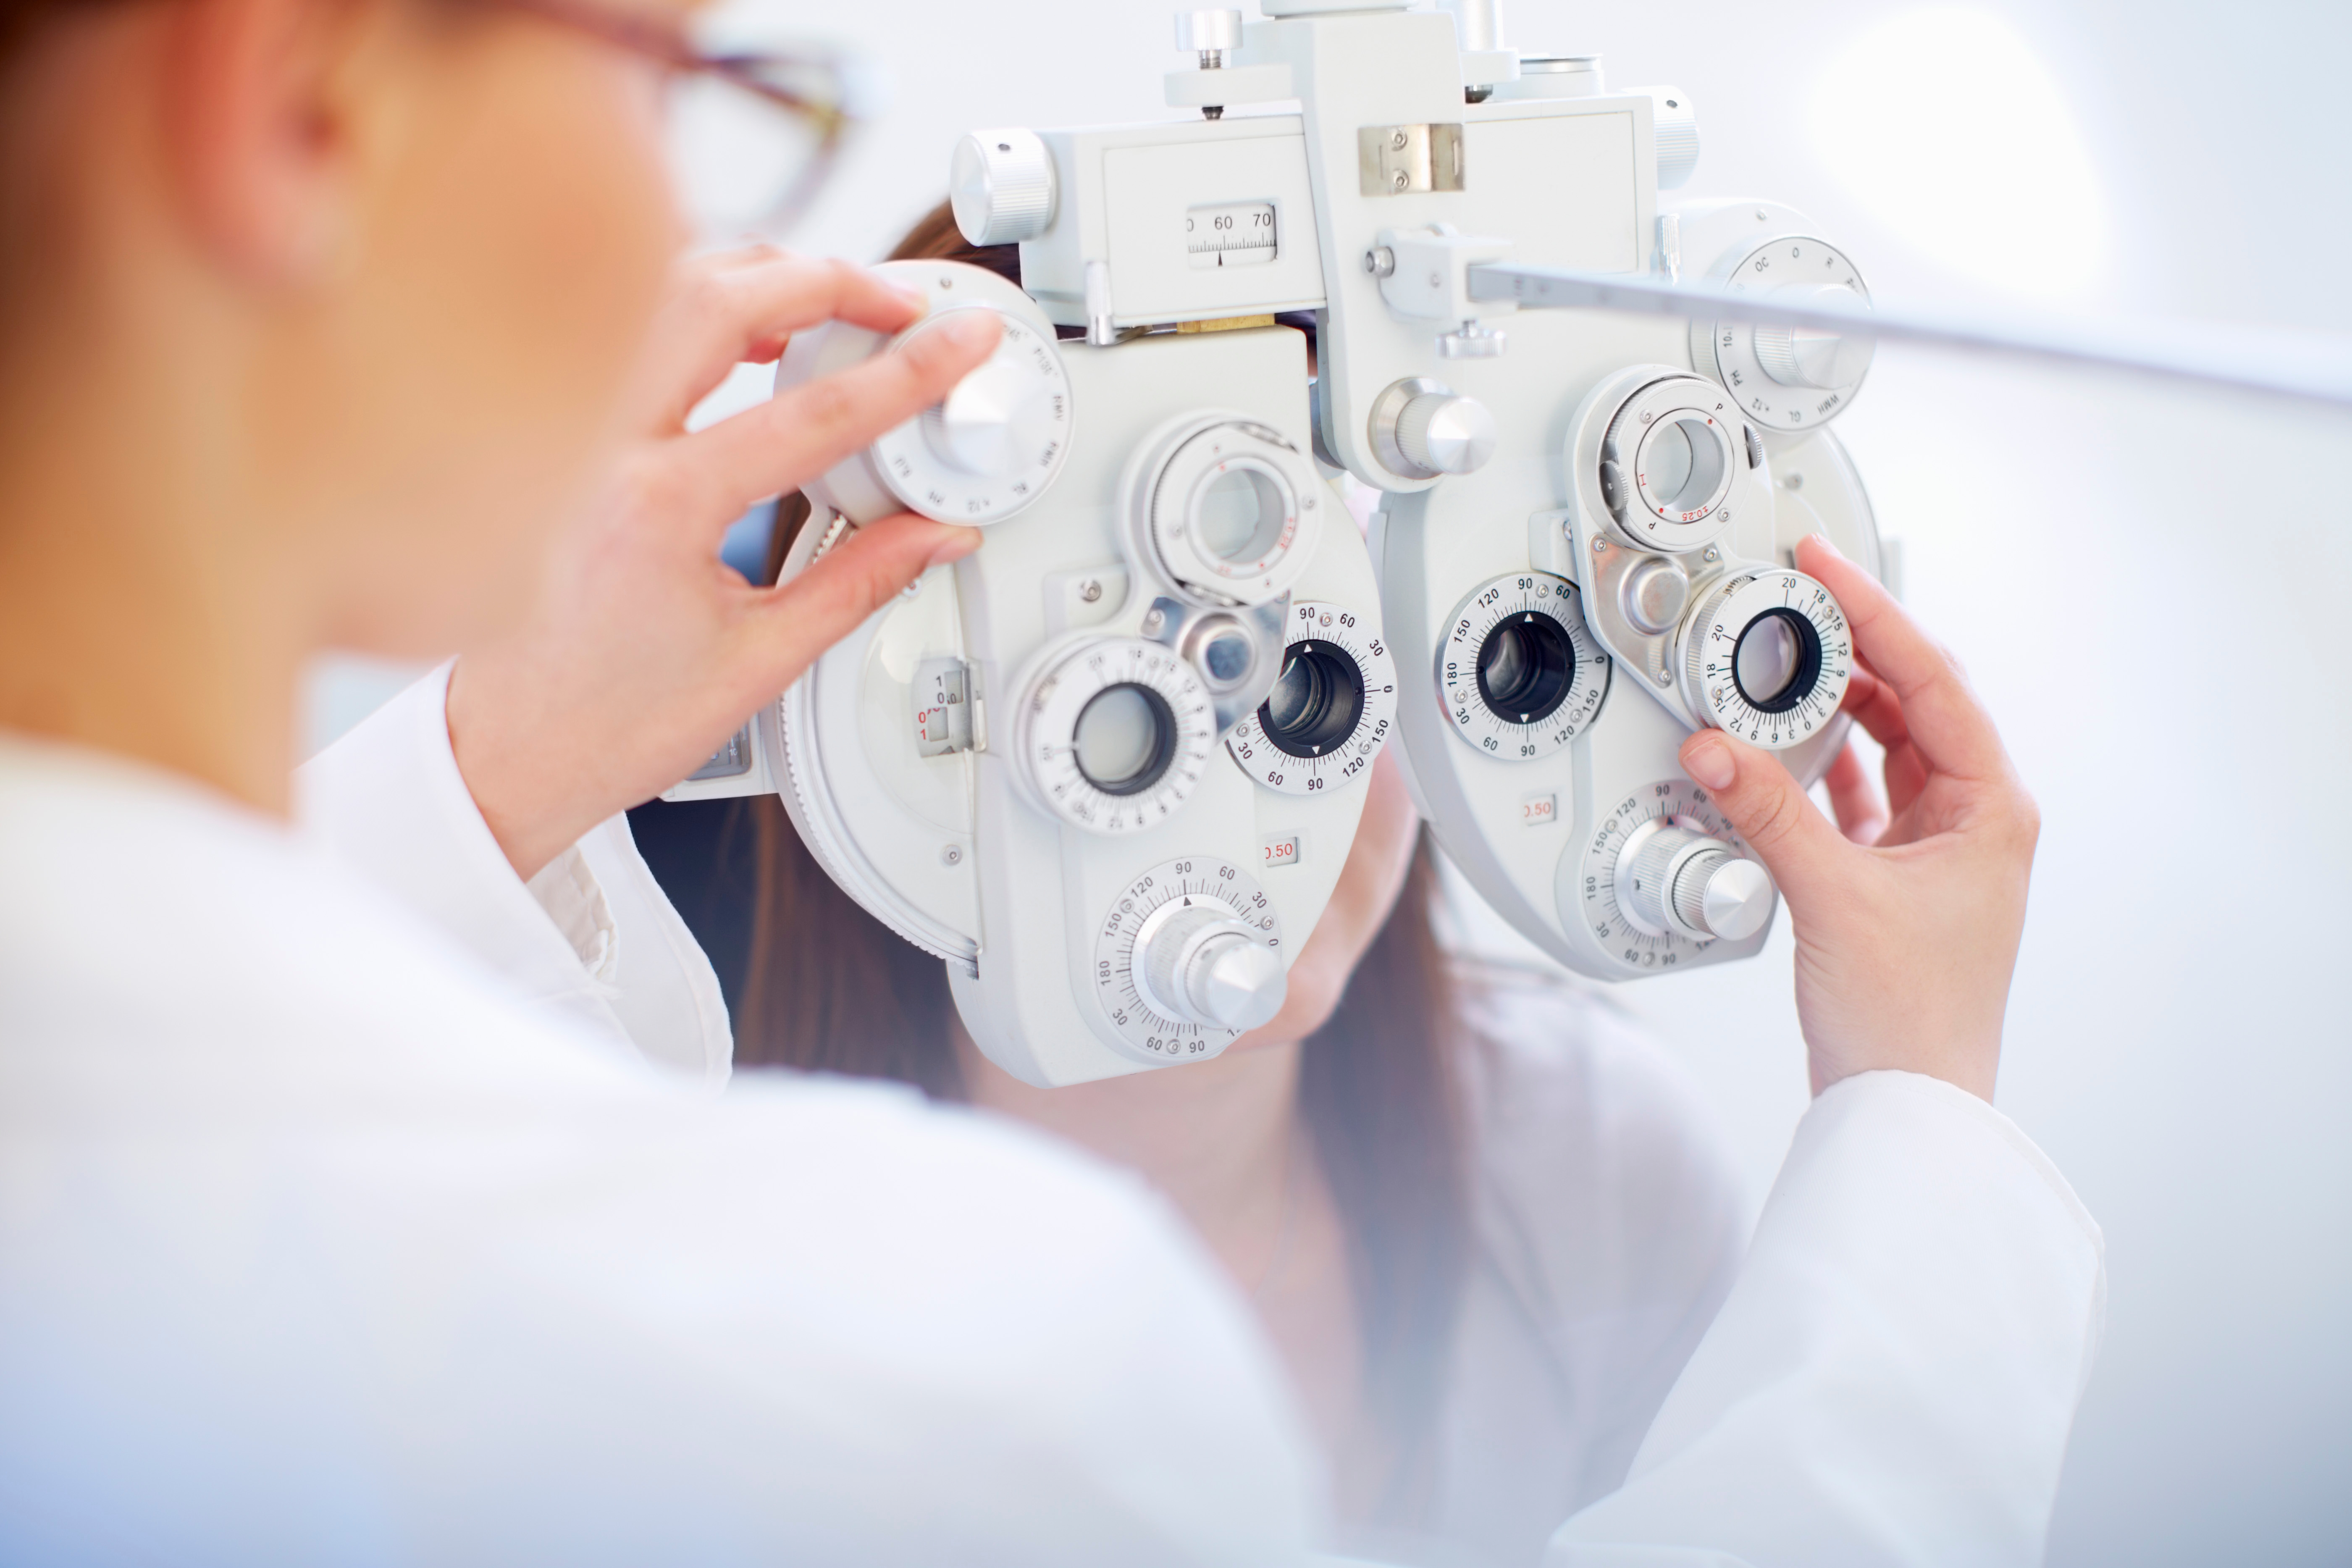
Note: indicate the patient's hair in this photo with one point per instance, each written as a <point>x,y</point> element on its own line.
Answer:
<point>830,988</point>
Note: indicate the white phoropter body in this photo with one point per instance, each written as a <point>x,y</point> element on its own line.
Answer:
<point>1107,767</point>
<point>1019,763</point>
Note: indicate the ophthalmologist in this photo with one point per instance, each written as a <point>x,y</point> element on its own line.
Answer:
<point>340,1222</point>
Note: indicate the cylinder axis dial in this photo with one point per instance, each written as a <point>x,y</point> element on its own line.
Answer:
<point>1330,709</point>
<point>1114,734</point>
<point>997,440</point>
<point>1629,892</point>
<point>1227,508</point>
<point>1520,673</point>
<point>1766,656</point>
<point>1784,378</point>
<point>1188,959</point>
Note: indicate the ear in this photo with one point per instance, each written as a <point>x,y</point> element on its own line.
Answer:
<point>258,114</point>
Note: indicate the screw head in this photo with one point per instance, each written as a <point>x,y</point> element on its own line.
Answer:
<point>951,856</point>
<point>1662,678</point>
<point>1089,591</point>
<point>1712,553</point>
<point>1600,547</point>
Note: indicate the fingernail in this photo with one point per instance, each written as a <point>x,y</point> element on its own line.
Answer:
<point>967,328</point>
<point>1821,542</point>
<point>954,545</point>
<point>1709,762</point>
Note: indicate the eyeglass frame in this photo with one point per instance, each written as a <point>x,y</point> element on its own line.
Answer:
<point>668,47</point>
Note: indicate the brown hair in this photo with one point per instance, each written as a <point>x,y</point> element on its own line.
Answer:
<point>831,988</point>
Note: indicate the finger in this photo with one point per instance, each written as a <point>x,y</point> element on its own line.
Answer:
<point>1855,800</point>
<point>742,305</point>
<point>1805,854</point>
<point>804,430</point>
<point>828,601</point>
<point>1872,703</point>
<point>1950,728</point>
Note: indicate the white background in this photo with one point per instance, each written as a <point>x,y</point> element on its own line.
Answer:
<point>2149,588</point>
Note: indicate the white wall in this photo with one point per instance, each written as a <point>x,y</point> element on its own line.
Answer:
<point>2147,586</point>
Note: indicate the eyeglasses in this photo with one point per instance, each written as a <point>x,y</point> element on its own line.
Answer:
<point>751,135</point>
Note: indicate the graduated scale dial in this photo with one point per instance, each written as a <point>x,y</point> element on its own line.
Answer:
<point>1519,674</point>
<point>1789,377</point>
<point>1189,958</point>
<point>1664,874</point>
<point>1331,708</point>
<point>985,451</point>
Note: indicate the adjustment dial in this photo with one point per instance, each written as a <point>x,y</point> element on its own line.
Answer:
<point>1669,461</point>
<point>1189,958</point>
<point>1001,187</point>
<point>990,447</point>
<point>1520,673</point>
<point>1662,875</point>
<point>1330,709</point>
<point>1766,656</point>
<point>997,440</point>
<point>1784,378</point>
<point>1672,879</point>
<point>1227,509</point>
<point>1115,733</point>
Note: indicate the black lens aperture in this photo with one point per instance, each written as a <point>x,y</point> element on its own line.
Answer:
<point>1777,661</point>
<point>1527,666</point>
<point>1316,701</point>
<point>1125,737</point>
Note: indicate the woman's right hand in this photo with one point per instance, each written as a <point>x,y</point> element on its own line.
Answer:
<point>1906,924</point>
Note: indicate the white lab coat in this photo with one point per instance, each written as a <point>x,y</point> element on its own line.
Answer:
<point>327,1235</point>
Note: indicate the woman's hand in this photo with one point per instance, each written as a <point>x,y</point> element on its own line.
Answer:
<point>647,652</point>
<point>1906,924</point>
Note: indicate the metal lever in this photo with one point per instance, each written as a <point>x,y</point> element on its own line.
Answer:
<point>2239,361</point>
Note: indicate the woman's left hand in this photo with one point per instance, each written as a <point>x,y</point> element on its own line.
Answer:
<point>646,651</point>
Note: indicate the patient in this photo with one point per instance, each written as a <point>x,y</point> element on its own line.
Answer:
<point>1483,1223</point>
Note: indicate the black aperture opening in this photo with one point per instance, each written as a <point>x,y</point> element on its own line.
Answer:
<point>1125,739</point>
<point>1527,666</point>
<point>1777,661</point>
<point>1315,700</point>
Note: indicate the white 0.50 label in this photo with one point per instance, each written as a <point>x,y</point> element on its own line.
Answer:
<point>1190,879</point>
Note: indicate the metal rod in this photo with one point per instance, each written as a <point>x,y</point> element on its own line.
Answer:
<point>2211,357</point>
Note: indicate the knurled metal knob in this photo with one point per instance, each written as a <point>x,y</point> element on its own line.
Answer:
<point>1698,886</point>
<point>1817,357</point>
<point>1208,32</point>
<point>1447,432</point>
<point>1001,185</point>
<point>1208,968</point>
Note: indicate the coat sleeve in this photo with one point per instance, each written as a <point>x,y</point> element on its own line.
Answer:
<point>1895,1373</point>
<point>592,937</point>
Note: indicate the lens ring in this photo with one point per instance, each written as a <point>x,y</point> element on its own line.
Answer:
<point>1158,752</point>
<point>1316,701</point>
<point>1526,667</point>
<point>1806,672</point>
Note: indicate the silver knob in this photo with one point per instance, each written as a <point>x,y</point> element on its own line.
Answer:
<point>1447,432</point>
<point>1819,357</point>
<point>1676,126</point>
<point>1205,967</point>
<point>997,417</point>
<point>1208,33</point>
<point>1654,594</point>
<point>1001,185</point>
<point>1699,886</point>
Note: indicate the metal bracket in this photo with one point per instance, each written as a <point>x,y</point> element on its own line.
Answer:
<point>1405,160</point>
